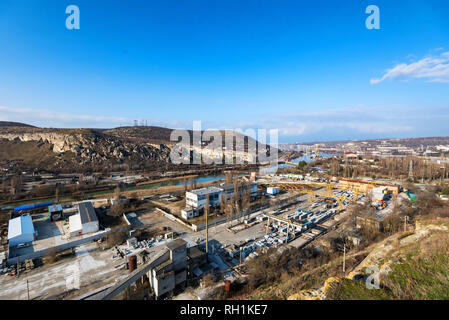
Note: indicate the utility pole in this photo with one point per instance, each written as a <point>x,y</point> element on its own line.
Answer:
<point>410,170</point>
<point>240,256</point>
<point>206,212</point>
<point>28,290</point>
<point>405,223</point>
<point>344,259</point>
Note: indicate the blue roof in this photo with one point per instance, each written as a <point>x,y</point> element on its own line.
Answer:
<point>33,206</point>
<point>19,226</point>
<point>55,208</point>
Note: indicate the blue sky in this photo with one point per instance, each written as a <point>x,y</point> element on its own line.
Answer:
<point>308,68</point>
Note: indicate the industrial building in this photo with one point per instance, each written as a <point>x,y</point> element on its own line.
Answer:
<point>85,221</point>
<point>20,231</point>
<point>249,188</point>
<point>272,191</point>
<point>366,185</point>
<point>55,212</point>
<point>379,194</point>
<point>196,199</point>
<point>172,272</point>
<point>166,270</point>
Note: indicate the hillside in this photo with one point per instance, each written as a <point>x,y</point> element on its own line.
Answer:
<point>148,134</point>
<point>77,148</point>
<point>14,124</point>
<point>159,135</point>
<point>91,149</point>
<point>413,266</point>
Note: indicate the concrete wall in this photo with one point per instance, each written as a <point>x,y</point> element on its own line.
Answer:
<point>22,238</point>
<point>91,227</point>
<point>180,277</point>
<point>164,284</point>
<point>179,258</point>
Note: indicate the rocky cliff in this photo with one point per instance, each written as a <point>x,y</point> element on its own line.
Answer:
<point>87,145</point>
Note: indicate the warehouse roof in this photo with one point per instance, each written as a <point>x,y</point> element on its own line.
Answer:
<point>75,225</point>
<point>87,212</point>
<point>19,226</point>
<point>55,208</point>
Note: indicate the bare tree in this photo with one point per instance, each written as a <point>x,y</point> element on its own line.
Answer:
<point>117,193</point>
<point>57,193</point>
<point>206,214</point>
<point>246,197</point>
<point>16,184</point>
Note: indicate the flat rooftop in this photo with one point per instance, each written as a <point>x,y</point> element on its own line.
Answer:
<point>207,190</point>
<point>173,245</point>
<point>55,208</point>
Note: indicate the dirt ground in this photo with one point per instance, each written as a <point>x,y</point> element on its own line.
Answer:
<point>90,268</point>
<point>154,220</point>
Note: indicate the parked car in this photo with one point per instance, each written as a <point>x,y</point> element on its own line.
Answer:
<point>23,245</point>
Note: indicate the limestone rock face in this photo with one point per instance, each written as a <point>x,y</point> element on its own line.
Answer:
<point>88,145</point>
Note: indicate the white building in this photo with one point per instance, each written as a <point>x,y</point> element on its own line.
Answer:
<point>273,190</point>
<point>250,188</point>
<point>86,221</point>
<point>189,213</point>
<point>379,193</point>
<point>197,198</point>
<point>20,231</point>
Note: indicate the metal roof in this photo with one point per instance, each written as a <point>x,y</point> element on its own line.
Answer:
<point>33,206</point>
<point>55,208</point>
<point>207,190</point>
<point>87,212</point>
<point>19,226</point>
<point>75,223</point>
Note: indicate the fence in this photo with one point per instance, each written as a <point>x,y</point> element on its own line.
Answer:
<point>173,218</point>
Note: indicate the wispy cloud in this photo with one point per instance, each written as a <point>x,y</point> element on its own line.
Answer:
<point>29,115</point>
<point>432,68</point>
<point>59,119</point>
<point>355,122</point>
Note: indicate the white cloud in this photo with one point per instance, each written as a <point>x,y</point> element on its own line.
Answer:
<point>361,119</point>
<point>431,68</point>
<point>28,115</point>
<point>56,119</point>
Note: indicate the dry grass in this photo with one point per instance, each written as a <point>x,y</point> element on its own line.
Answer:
<point>420,272</point>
